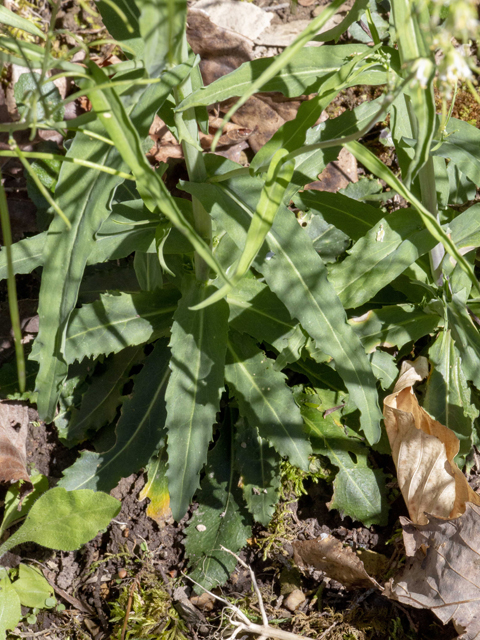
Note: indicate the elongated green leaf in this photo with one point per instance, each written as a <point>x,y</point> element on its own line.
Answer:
<point>27,254</point>
<point>466,337</point>
<point>129,227</point>
<point>117,321</point>
<point>16,505</point>
<point>461,147</point>
<point>384,368</point>
<point>115,279</point>
<point>122,21</point>
<point>359,491</point>
<point>276,181</point>
<point>193,395</point>
<point>291,135</point>
<point>162,24</point>
<point>393,326</point>
<point>384,253</point>
<point>401,127</point>
<point>376,166</point>
<point>255,310</point>
<point>353,218</point>
<point>413,46</point>
<point>328,241</point>
<point>297,275</point>
<point>29,56</point>
<point>259,468</point>
<point>101,400</point>
<point>155,194</point>
<point>148,270</point>
<point>64,520</point>
<point>140,431</point>
<point>156,489</point>
<point>448,397</point>
<point>10,609</point>
<point>461,188</point>
<point>264,399</point>
<point>353,15</point>
<point>13,20</point>
<point>302,75</point>
<point>84,196</point>
<point>221,518</point>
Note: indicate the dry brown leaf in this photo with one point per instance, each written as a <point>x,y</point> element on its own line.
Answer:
<point>444,574</point>
<point>221,50</point>
<point>265,114</point>
<point>338,562</point>
<point>338,174</point>
<point>166,146</point>
<point>13,435</point>
<point>423,451</point>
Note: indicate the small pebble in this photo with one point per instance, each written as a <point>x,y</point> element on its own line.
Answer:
<point>294,600</point>
<point>204,601</point>
<point>121,574</point>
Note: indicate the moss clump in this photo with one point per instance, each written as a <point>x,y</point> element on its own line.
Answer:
<point>282,527</point>
<point>152,614</point>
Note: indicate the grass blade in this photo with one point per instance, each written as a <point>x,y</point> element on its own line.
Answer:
<point>12,290</point>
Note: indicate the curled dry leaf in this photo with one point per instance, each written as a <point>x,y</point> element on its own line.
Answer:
<point>338,562</point>
<point>221,50</point>
<point>13,435</point>
<point>338,174</point>
<point>167,148</point>
<point>444,573</point>
<point>423,451</point>
<point>441,573</point>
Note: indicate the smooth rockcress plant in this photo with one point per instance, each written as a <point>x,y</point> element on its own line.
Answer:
<point>254,281</point>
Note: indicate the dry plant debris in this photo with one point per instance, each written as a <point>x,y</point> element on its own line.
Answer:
<point>442,539</point>
<point>423,451</point>
<point>13,434</point>
<point>338,562</point>
<point>443,574</point>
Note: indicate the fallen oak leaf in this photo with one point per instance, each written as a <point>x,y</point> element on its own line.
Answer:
<point>13,435</point>
<point>423,451</point>
<point>444,575</point>
<point>338,562</point>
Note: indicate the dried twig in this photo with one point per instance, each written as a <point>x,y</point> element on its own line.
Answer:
<point>239,620</point>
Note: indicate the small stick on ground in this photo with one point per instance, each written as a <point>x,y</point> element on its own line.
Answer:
<point>129,607</point>
<point>239,620</point>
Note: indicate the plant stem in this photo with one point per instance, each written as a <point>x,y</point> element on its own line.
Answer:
<point>12,290</point>
<point>195,165</point>
<point>426,177</point>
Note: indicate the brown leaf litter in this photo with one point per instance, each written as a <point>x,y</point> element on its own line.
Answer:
<point>13,435</point>
<point>338,562</point>
<point>442,540</point>
<point>423,451</point>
